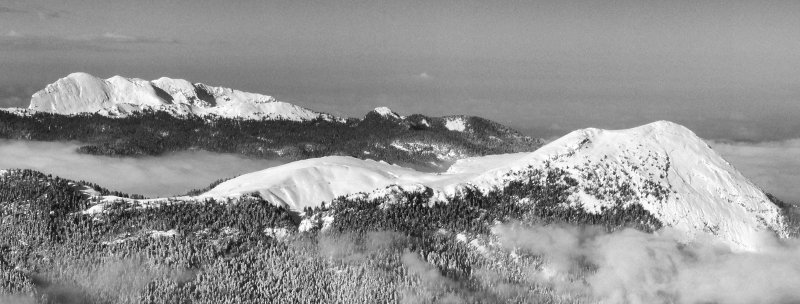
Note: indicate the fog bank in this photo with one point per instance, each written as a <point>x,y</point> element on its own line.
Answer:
<point>636,267</point>
<point>171,174</point>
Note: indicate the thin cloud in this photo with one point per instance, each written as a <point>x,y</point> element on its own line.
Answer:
<point>109,41</point>
<point>41,13</point>
<point>50,14</point>
<point>16,95</point>
<point>12,102</point>
<point>9,10</point>
<point>111,37</point>
<point>424,76</point>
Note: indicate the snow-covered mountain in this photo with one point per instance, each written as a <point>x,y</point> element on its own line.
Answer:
<point>119,96</point>
<point>663,166</point>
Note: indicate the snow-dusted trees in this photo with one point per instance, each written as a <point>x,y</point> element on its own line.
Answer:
<point>154,133</point>
<point>248,250</point>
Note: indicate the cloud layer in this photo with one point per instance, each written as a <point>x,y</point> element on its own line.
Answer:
<point>150,176</point>
<point>774,166</point>
<point>636,267</point>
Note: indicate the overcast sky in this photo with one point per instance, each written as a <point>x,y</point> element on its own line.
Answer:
<point>727,69</point>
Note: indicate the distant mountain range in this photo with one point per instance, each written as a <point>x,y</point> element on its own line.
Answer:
<point>662,168</point>
<point>377,207</point>
<point>119,96</point>
<point>129,117</point>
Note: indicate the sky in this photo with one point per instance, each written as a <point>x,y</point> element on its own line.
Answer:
<point>726,69</point>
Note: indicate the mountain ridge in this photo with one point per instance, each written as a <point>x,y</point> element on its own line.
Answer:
<point>662,167</point>
<point>120,96</point>
<point>122,116</point>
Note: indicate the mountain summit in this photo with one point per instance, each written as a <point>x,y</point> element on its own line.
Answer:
<point>119,96</point>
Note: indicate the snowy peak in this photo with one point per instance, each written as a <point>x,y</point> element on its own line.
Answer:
<point>119,96</point>
<point>666,169</point>
<point>385,112</point>
<point>662,166</point>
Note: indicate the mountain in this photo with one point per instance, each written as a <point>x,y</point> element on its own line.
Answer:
<point>394,233</point>
<point>133,117</point>
<point>119,96</point>
<point>663,167</point>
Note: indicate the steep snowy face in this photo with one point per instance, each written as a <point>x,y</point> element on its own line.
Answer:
<point>665,168</point>
<point>81,92</point>
<point>662,166</point>
<point>119,96</point>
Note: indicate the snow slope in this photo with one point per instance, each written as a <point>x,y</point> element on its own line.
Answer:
<point>119,96</point>
<point>310,182</point>
<point>663,166</point>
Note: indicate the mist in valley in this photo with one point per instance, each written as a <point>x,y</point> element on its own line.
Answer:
<point>171,174</point>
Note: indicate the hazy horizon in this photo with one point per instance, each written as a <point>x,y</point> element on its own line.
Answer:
<point>726,69</point>
<point>167,175</point>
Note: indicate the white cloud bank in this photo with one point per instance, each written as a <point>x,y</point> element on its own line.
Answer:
<point>171,174</point>
<point>631,266</point>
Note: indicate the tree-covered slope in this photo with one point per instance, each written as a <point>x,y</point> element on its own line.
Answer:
<point>431,146</point>
<point>415,249</point>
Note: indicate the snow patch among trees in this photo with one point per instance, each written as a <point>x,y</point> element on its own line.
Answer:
<point>456,124</point>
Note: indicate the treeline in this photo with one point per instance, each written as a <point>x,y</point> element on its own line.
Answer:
<point>155,133</point>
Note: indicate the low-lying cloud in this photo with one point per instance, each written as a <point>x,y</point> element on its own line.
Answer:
<point>774,166</point>
<point>170,174</point>
<point>631,266</point>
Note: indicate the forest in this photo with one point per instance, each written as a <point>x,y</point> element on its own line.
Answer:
<point>419,141</point>
<point>407,250</point>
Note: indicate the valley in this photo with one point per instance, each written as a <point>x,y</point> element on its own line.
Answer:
<point>314,208</point>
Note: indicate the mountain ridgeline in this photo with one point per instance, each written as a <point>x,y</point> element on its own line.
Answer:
<point>133,117</point>
<point>690,189</point>
<point>409,247</point>
<point>649,214</point>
